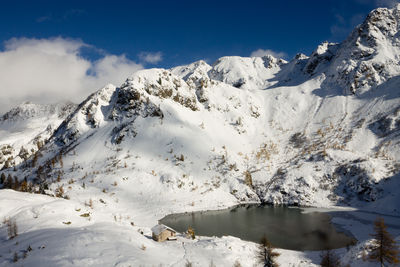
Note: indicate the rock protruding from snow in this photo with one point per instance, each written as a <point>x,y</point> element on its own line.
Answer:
<point>90,114</point>
<point>320,57</point>
<point>142,94</point>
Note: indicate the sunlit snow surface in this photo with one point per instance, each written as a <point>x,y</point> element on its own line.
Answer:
<point>319,131</point>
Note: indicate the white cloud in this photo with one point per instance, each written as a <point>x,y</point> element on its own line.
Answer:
<point>262,52</point>
<point>149,57</point>
<point>50,70</point>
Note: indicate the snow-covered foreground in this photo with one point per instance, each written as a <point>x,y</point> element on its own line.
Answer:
<point>59,236</point>
<point>321,131</point>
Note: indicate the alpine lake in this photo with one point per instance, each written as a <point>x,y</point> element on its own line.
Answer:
<point>285,227</point>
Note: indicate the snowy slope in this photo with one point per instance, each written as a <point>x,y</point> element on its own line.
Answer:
<point>26,126</point>
<point>320,130</point>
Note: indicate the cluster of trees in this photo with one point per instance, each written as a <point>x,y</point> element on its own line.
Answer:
<point>384,250</point>
<point>39,184</point>
<point>10,182</point>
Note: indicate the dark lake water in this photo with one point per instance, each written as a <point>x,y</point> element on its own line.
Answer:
<point>285,227</point>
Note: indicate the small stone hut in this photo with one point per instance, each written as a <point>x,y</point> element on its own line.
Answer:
<point>162,232</point>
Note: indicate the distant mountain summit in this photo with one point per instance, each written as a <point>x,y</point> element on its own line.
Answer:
<point>28,110</point>
<point>26,127</point>
<point>366,59</point>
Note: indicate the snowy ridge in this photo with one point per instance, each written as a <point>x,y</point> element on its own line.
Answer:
<point>26,127</point>
<point>320,131</point>
<point>366,59</point>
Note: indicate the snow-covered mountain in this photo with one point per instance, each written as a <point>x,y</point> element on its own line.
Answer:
<point>322,131</point>
<point>26,127</point>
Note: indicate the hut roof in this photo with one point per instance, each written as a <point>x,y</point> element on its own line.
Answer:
<point>159,228</point>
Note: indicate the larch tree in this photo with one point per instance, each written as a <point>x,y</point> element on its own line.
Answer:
<point>266,253</point>
<point>385,249</point>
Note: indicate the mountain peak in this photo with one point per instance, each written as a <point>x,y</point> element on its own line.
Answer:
<point>28,110</point>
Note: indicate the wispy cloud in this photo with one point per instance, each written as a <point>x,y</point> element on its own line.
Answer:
<point>343,26</point>
<point>50,70</point>
<point>378,3</point>
<point>150,57</point>
<point>264,52</point>
<point>61,16</point>
<point>386,3</point>
<point>73,13</point>
<point>43,18</point>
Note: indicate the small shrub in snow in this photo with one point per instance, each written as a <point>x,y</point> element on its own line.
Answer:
<point>15,259</point>
<point>180,158</point>
<point>60,191</point>
<point>190,233</point>
<point>248,180</point>
<point>267,254</point>
<point>89,203</point>
<point>12,228</point>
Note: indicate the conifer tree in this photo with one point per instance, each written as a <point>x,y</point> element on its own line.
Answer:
<point>24,185</point>
<point>385,248</point>
<point>15,185</point>
<point>266,253</point>
<point>9,182</point>
<point>2,178</point>
<point>329,259</point>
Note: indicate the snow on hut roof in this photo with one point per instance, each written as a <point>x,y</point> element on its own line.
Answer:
<point>160,228</point>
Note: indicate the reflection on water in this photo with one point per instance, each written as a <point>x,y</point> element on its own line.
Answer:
<point>285,227</point>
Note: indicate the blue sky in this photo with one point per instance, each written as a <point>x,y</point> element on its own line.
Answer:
<point>63,50</point>
<point>184,31</point>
